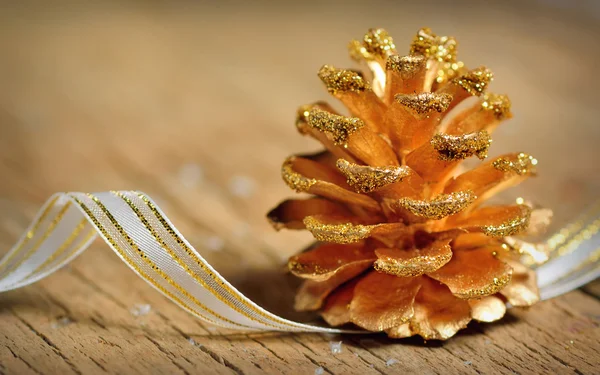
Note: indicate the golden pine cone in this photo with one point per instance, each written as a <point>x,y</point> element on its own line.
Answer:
<point>405,246</point>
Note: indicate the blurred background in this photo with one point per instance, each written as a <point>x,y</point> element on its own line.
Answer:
<point>194,102</point>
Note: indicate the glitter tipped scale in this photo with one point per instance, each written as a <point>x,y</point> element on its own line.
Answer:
<point>342,80</point>
<point>463,146</point>
<point>407,66</point>
<point>423,104</point>
<point>407,243</point>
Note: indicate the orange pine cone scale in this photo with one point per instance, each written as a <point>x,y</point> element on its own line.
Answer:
<point>405,244</point>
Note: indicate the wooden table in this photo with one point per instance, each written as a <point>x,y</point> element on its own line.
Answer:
<point>194,105</point>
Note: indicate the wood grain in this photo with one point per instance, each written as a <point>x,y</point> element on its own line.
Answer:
<point>105,96</point>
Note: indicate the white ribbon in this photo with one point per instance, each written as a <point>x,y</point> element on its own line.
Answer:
<point>574,257</point>
<point>144,238</point>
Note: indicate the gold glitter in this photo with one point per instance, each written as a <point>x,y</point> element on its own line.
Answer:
<point>486,276</point>
<point>523,164</point>
<point>294,179</point>
<point>460,147</point>
<point>339,233</point>
<point>407,66</point>
<point>411,267</point>
<point>421,105</point>
<point>341,80</point>
<point>475,81</point>
<point>498,283</point>
<point>413,262</point>
<point>298,268</point>
<point>377,43</point>
<point>430,45</point>
<point>439,48</point>
<point>499,104</point>
<point>326,260</point>
<point>365,178</point>
<point>423,43</point>
<point>441,206</point>
<point>340,127</point>
<point>511,226</point>
<point>302,118</point>
<point>357,51</point>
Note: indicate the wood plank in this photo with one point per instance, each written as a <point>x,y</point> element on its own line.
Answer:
<point>130,96</point>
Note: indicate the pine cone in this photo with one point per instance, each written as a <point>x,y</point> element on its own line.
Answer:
<point>405,245</point>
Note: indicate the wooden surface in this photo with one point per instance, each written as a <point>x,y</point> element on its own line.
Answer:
<point>193,104</point>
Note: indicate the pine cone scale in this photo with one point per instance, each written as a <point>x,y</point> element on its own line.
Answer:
<point>413,262</point>
<point>487,275</point>
<point>324,261</point>
<point>382,301</point>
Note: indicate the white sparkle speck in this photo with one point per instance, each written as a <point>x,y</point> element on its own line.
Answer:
<point>190,175</point>
<point>140,309</point>
<point>242,186</point>
<point>64,321</point>
<point>335,346</point>
<point>215,243</point>
<point>194,343</point>
<point>391,362</point>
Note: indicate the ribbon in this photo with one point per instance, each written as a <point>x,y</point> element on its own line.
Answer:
<point>574,255</point>
<point>137,230</point>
